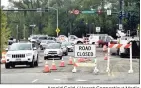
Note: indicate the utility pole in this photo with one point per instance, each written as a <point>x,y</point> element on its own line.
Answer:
<point>17,33</point>
<point>24,31</point>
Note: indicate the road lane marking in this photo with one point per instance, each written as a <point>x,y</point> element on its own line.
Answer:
<point>57,79</point>
<point>80,80</point>
<point>34,80</point>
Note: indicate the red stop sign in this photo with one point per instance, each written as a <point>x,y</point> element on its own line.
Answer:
<point>76,12</point>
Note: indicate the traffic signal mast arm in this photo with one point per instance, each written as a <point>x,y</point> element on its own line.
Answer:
<point>25,9</point>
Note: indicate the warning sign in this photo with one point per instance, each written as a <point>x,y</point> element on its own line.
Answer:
<point>85,51</point>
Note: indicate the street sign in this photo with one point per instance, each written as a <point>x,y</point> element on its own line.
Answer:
<point>93,11</point>
<point>108,12</point>
<point>120,26</point>
<point>15,9</point>
<point>57,30</point>
<point>39,9</point>
<point>76,12</point>
<point>85,51</point>
<point>97,29</point>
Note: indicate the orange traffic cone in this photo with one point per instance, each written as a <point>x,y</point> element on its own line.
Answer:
<point>81,60</point>
<point>70,61</point>
<point>46,68</point>
<point>53,67</point>
<point>86,59</point>
<point>62,64</point>
<point>104,48</point>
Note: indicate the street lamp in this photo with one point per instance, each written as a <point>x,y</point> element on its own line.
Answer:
<point>32,27</point>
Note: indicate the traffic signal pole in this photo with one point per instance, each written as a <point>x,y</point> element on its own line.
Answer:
<point>120,19</point>
<point>121,2</point>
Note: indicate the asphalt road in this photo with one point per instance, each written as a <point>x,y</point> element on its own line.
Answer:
<point>119,72</point>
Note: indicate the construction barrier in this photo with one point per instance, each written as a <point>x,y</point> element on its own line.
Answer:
<point>78,64</point>
<point>119,46</point>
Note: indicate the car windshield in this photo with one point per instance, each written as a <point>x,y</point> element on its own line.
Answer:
<point>66,43</point>
<point>34,37</point>
<point>54,46</point>
<point>50,41</point>
<point>18,46</point>
<point>42,38</point>
<point>43,41</point>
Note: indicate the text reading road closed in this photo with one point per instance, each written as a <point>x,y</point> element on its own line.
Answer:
<point>85,51</point>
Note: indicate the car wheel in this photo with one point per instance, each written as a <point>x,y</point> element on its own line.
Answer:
<point>121,55</point>
<point>45,58</point>
<point>36,63</point>
<point>32,63</point>
<point>66,53</point>
<point>93,43</point>
<point>60,57</point>
<point>7,65</point>
<point>69,50</point>
<point>13,65</point>
<point>79,42</point>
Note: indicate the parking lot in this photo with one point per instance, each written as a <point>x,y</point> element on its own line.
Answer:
<point>118,71</point>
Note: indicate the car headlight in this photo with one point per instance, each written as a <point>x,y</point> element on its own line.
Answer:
<point>8,55</point>
<point>59,52</point>
<point>45,52</point>
<point>29,54</point>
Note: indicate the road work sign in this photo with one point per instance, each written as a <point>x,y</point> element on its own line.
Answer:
<point>85,51</point>
<point>57,30</point>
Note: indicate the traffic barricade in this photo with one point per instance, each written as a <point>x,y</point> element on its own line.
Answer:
<point>119,46</point>
<point>84,52</point>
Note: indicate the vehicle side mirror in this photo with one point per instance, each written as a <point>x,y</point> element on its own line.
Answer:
<point>34,48</point>
<point>72,44</point>
<point>6,49</point>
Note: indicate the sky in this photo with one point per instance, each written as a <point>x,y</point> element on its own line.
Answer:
<point>4,3</point>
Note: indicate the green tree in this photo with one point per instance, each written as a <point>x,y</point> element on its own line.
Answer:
<point>5,32</point>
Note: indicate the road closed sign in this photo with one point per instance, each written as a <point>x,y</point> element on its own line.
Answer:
<point>85,51</point>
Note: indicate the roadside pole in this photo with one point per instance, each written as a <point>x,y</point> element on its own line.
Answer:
<point>108,61</point>
<point>131,67</point>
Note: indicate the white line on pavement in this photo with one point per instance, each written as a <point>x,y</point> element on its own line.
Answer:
<point>57,79</point>
<point>34,80</point>
<point>80,80</point>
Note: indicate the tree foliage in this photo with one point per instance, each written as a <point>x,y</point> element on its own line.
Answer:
<point>70,23</point>
<point>5,32</point>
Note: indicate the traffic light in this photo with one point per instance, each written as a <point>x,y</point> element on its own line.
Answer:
<point>120,14</point>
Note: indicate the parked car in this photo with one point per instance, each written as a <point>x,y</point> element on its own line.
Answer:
<point>53,50</point>
<point>21,54</point>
